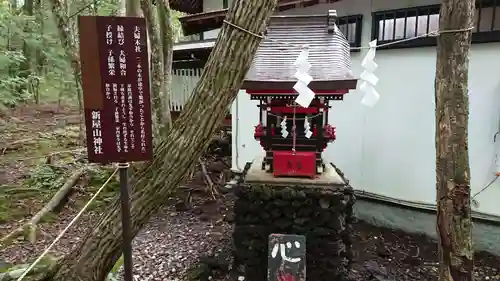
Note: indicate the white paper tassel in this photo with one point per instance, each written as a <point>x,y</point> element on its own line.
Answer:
<point>369,79</point>
<point>302,58</point>
<point>303,77</point>
<point>284,131</point>
<point>371,96</point>
<point>307,128</point>
<point>305,95</point>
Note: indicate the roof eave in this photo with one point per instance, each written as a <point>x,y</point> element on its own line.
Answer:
<point>187,6</point>
<point>194,24</point>
<point>347,83</point>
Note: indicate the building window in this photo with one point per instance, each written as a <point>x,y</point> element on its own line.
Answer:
<point>350,26</point>
<point>395,25</point>
<point>486,22</point>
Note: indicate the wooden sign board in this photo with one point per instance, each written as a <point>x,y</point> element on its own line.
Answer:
<point>286,257</point>
<point>116,95</point>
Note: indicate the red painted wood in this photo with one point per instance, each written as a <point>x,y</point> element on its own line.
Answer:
<point>291,92</point>
<point>298,110</point>
<point>287,163</point>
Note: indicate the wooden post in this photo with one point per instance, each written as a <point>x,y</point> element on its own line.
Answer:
<point>454,223</point>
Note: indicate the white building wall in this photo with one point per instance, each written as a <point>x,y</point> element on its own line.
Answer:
<point>389,149</point>
<point>212,5</point>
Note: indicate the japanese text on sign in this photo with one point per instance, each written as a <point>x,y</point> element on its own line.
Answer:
<point>118,116</point>
<point>96,132</point>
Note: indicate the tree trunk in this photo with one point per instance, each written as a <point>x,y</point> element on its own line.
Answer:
<point>132,8</point>
<point>25,69</point>
<point>64,30</point>
<point>157,82</point>
<point>14,43</point>
<point>167,43</point>
<point>39,56</point>
<point>454,225</point>
<point>219,84</point>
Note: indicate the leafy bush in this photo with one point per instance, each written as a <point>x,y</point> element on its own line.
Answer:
<point>46,177</point>
<point>33,64</point>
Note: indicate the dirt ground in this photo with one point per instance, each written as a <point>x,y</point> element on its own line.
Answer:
<point>380,254</point>
<point>31,133</point>
<point>180,237</point>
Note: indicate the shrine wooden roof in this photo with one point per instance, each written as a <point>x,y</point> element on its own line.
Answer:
<point>187,6</point>
<point>329,55</point>
<point>205,21</point>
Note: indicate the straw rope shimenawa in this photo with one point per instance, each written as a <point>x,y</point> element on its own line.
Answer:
<point>432,33</point>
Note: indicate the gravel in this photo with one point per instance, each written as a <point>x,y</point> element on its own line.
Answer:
<point>172,243</point>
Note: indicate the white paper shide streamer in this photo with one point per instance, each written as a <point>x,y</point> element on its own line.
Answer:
<point>284,131</point>
<point>369,80</point>
<point>306,95</point>
<point>307,128</point>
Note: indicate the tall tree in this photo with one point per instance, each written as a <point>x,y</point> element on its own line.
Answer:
<point>25,67</point>
<point>132,8</point>
<point>165,22</point>
<point>39,55</point>
<point>219,84</point>
<point>157,76</point>
<point>454,225</point>
<point>66,35</point>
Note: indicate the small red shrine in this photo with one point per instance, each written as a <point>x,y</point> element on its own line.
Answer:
<point>292,136</point>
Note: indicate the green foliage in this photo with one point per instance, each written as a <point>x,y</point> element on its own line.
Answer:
<point>99,176</point>
<point>46,177</point>
<point>32,60</point>
<point>4,208</point>
<point>33,65</point>
<point>8,208</point>
<point>113,274</point>
<point>176,25</point>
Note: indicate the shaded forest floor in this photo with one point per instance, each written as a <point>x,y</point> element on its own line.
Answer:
<point>184,241</point>
<point>39,150</point>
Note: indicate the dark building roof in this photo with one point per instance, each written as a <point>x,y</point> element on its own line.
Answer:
<point>205,21</point>
<point>187,6</point>
<point>329,55</point>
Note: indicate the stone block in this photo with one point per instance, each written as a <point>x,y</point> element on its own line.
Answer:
<point>321,212</point>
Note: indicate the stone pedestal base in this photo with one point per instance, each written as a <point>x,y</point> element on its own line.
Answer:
<point>320,209</point>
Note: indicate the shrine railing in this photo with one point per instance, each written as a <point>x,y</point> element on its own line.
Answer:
<point>183,83</point>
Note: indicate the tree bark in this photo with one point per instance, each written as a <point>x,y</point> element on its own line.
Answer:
<point>39,55</point>
<point>454,225</point>
<point>167,43</point>
<point>157,75</point>
<point>190,135</point>
<point>132,8</point>
<point>25,68</point>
